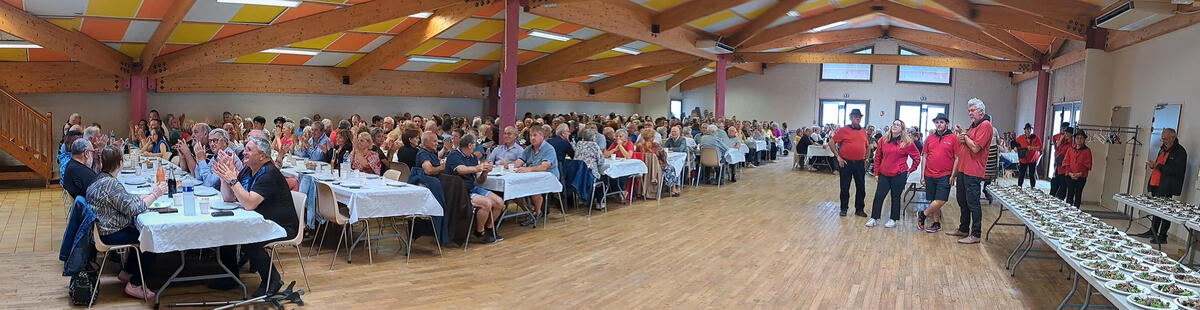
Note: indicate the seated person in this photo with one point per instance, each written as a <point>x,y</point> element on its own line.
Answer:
<point>363,158</point>
<point>156,145</point>
<point>562,146</point>
<point>64,150</point>
<point>258,187</point>
<point>345,144</point>
<point>465,165</point>
<point>317,144</point>
<point>79,174</point>
<point>538,157</point>
<point>646,145</point>
<point>427,156</point>
<point>508,151</point>
<point>116,211</point>
<point>621,145</point>
<point>675,141</point>
<point>218,140</point>
<point>407,154</point>
<point>588,151</point>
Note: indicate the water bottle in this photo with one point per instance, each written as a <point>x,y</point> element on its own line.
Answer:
<point>344,167</point>
<point>189,201</point>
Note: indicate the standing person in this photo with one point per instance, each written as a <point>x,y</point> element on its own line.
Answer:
<point>940,168</point>
<point>1166,180</point>
<point>1062,143</point>
<point>892,170</point>
<point>1029,148</point>
<point>972,157</point>
<point>1077,163</point>
<point>850,149</point>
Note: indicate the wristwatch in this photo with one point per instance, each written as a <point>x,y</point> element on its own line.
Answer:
<point>232,182</point>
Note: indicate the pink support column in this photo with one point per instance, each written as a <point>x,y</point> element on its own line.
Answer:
<point>507,109</point>
<point>722,61</point>
<point>139,85</point>
<point>1042,102</point>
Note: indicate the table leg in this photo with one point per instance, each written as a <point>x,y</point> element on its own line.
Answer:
<point>1024,238</point>
<point>1087,296</point>
<point>1074,286</point>
<point>183,262</point>
<point>1025,253</point>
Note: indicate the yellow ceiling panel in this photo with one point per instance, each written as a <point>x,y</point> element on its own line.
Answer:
<point>67,23</point>
<point>256,58</point>
<point>713,19</point>
<point>494,55</point>
<point>756,13</point>
<point>541,23</point>
<point>846,3</point>
<point>554,46</point>
<point>426,47</point>
<point>13,54</point>
<point>663,4</point>
<point>651,48</point>
<point>482,31</point>
<point>193,33</point>
<point>134,50</point>
<point>349,60</point>
<point>381,27</point>
<point>607,54</point>
<point>446,67</point>
<point>317,43</point>
<point>259,14</point>
<point>113,8</point>
<point>810,5</point>
<point>642,84</point>
<point>909,3</point>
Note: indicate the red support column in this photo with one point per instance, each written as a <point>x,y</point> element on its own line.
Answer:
<point>1043,100</point>
<point>722,62</point>
<point>507,108</point>
<point>138,85</point>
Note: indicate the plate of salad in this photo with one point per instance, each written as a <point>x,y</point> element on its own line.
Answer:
<point>1126,287</point>
<point>1146,301</point>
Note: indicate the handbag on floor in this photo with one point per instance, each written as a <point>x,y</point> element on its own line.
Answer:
<point>80,289</point>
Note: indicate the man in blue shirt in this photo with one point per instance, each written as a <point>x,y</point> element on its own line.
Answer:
<point>463,163</point>
<point>218,139</point>
<point>318,144</point>
<point>539,157</point>
<point>507,152</point>
<point>562,147</point>
<point>64,156</point>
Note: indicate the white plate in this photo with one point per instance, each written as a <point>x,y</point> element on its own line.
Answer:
<point>1130,298</point>
<point>324,178</point>
<point>371,176</point>
<point>159,204</point>
<point>140,191</point>
<point>396,184</point>
<point>352,185</point>
<point>1110,284</point>
<point>205,192</point>
<point>133,181</point>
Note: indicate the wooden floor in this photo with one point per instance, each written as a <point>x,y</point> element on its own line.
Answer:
<point>772,240</point>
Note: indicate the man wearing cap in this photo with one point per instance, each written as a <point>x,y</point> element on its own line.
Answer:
<point>940,149</point>
<point>1029,148</point>
<point>1062,143</point>
<point>1166,180</point>
<point>850,149</point>
<point>972,158</point>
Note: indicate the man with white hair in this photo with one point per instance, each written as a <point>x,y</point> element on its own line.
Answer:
<point>218,143</point>
<point>709,139</point>
<point>79,174</point>
<point>972,159</point>
<point>318,144</point>
<point>562,147</point>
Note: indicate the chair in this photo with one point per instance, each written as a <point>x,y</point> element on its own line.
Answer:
<point>710,159</point>
<point>103,249</point>
<point>393,175</point>
<point>404,169</point>
<point>327,207</point>
<point>68,201</point>
<point>298,200</point>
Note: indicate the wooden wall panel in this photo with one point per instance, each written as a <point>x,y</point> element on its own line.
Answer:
<point>56,77</point>
<point>249,78</point>
<point>567,91</point>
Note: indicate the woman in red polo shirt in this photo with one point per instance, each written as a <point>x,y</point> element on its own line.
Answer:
<point>1076,164</point>
<point>1032,146</point>
<point>892,169</point>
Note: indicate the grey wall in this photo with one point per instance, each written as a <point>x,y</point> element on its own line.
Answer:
<point>791,92</point>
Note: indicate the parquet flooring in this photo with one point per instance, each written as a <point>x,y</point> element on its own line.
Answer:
<point>773,240</point>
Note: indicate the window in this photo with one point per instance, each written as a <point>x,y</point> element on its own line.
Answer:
<point>922,74</point>
<point>848,72</point>
<point>920,114</point>
<point>677,108</point>
<point>1067,112</point>
<point>838,111</point>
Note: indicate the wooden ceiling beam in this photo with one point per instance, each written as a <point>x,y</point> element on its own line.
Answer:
<point>1018,78</point>
<point>1121,39</point>
<point>950,27</point>
<point>624,19</point>
<point>948,41</point>
<point>949,52</point>
<point>1068,9</point>
<point>687,12</point>
<point>73,44</point>
<point>709,79</point>
<point>685,74</point>
<point>253,78</point>
<point>1055,47</point>
<point>175,14</point>
<point>760,23</point>
<point>410,38</point>
<point>570,91</point>
<point>963,8</point>
<point>291,31</point>
<point>619,63</point>
<point>566,56</point>
<point>1068,59</point>
<point>41,77</point>
<point>1012,19</point>
<point>878,59</point>
<point>806,39</point>
<point>636,75</point>
<point>1028,51</point>
<point>803,25</point>
<point>829,47</point>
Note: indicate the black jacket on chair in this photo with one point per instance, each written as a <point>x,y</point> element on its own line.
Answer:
<point>1173,171</point>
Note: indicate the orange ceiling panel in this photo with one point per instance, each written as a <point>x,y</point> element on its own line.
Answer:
<point>42,54</point>
<point>304,9</point>
<point>154,9</point>
<point>294,60</point>
<point>352,42</point>
<point>449,48</point>
<point>229,30</point>
<point>105,29</point>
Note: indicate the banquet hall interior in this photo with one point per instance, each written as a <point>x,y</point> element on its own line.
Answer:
<point>599,154</point>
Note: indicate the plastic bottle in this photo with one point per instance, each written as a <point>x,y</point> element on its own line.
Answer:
<point>161,175</point>
<point>344,167</point>
<point>189,201</point>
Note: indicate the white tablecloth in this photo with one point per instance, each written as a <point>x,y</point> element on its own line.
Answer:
<point>817,151</point>
<point>622,167</point>
<point>1010,157</point>
<point>760,145</point>
<point>161,233</point>
<point>733,157</point>
<point>517,185</point>
<point>677,160</point>
<point>744,148</point>
<point>375,200</point>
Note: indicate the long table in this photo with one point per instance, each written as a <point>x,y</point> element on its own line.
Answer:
<point>1178,218</point>
<point>1032,231</point>
<point>513,185</point>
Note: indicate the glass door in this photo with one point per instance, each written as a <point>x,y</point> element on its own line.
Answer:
<point>1067,112</point>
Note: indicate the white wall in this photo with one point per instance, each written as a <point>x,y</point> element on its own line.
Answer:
<point>1026,104</point>
<point>791,92</point>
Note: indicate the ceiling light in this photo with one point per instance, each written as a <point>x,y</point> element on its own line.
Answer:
<point>707,69</point>
<point>598,75</point>
<point>421,15</point>
<point>793,13</point>
<point>549,35</point>
<point>626,50</point>
<point>826,27</point>
<point>445,60</point>
<point>283,3</point>
<point>18,44</point>
<point>292,51</point>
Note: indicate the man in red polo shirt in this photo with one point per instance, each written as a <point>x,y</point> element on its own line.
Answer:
<point>850,148</point>
<point>940,149</point>
<point>972,157</point>
<point>1032,146</point>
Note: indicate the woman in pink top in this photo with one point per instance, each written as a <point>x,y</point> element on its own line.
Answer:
<point>891,167</point>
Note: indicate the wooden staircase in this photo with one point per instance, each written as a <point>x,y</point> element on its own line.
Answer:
<point>27,136</point>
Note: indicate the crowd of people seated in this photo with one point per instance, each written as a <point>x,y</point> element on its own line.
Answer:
<point>242,156</point>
